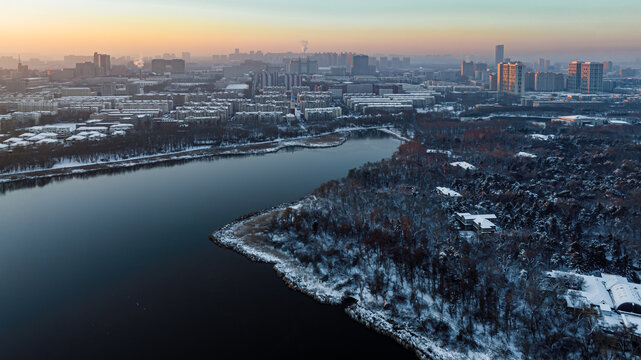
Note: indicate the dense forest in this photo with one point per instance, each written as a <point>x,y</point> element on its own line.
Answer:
<point>384,237</point>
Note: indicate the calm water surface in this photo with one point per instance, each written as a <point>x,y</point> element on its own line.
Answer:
<point>120,266</point>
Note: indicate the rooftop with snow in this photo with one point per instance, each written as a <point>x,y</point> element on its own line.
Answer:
<point>464,165</point>
<point>616,300</point>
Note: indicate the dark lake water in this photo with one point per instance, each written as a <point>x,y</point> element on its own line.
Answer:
<point>120,266</point>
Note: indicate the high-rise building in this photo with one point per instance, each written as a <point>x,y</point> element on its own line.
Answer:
<point>268,78</point>
<point>361,65</point>
<point>574,76</point>
<point>492,82</point>
<point>591,77</point>
<point>511,78</point>
<point>174,66</point>
<point>481,71</point>
<point>542,65</point>
<point>303,66</point>
<point>467,69</point>
<point>548,81</point>
<point>186,56</point>
<point>292,80</point>
<point>102,63</point>
<point>406,62</point>
<point>607,66</point>
<point>85,70</point>
<point>530,78</point>
<point>585,77</point>
<point>23,70</point>
<point>499,54</point>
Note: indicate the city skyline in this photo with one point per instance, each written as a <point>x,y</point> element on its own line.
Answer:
<point>412,27</point>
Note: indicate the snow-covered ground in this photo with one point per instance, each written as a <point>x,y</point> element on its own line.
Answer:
<point>328,284</point>
<point>115,161</point>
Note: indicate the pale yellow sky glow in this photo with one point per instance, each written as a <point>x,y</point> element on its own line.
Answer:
<point>458,27</point>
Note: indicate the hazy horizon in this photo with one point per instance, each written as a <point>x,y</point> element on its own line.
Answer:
<point>413,27</point>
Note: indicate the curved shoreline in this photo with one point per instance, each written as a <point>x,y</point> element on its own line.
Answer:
<point>299,279</point>
<point>18,180</point>
<point>10,182</point>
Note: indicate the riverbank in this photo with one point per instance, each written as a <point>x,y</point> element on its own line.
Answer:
<point>248,236</point>
<point>70,168</point>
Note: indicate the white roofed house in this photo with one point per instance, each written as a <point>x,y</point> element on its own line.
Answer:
<point>615,300</point>
<point>444,191</point>
<point>481,223</point>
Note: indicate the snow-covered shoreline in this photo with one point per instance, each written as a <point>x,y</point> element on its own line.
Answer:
<point>299,278</point>
<point>67,167</point>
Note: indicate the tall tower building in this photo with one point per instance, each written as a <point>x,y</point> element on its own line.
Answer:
<point>499,54</point>
<point>23,70</point>
<point>574,76</point>
<point>361,65</point>
<point>467,69</point>
<point>591,77</point>
<point>585,77</point>
<point>102,62</point>
<point>511,78</point>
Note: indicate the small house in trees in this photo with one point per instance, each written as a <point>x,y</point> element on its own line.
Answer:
<point>481,223</point>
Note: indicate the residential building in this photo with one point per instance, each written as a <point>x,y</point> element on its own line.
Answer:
<point>467,69</point>
<point>591,77</point>
<point>614,300</point>
<point>511,78</point>
<point>361,65</point>
<point>574,76</point>
<point>174,66</point>
<point>102,64</point>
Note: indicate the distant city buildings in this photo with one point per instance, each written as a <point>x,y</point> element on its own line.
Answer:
<point>303,66</point>
<point>174,66</point>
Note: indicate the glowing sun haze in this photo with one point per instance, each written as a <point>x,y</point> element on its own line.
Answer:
<point>205,27</point>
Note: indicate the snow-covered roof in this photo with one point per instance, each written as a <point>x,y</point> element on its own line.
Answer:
<point>480,221</point>
<point>121,126</point>
<point>76,138</point>
<point>93,128</point>
<point>237,87</point>
<point>464,165</point>
<point>541,137</point>
<point>525,154</point>
<point>12,140</point>
<point>47,141</point>
<point>26,135</point>
<point>20,144</point>
<point>617,300</point>
<point>447,191</point>
<point>436,151</point>
<point>619,122</point>
<point>3,147</point>
<point>43,136</point>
